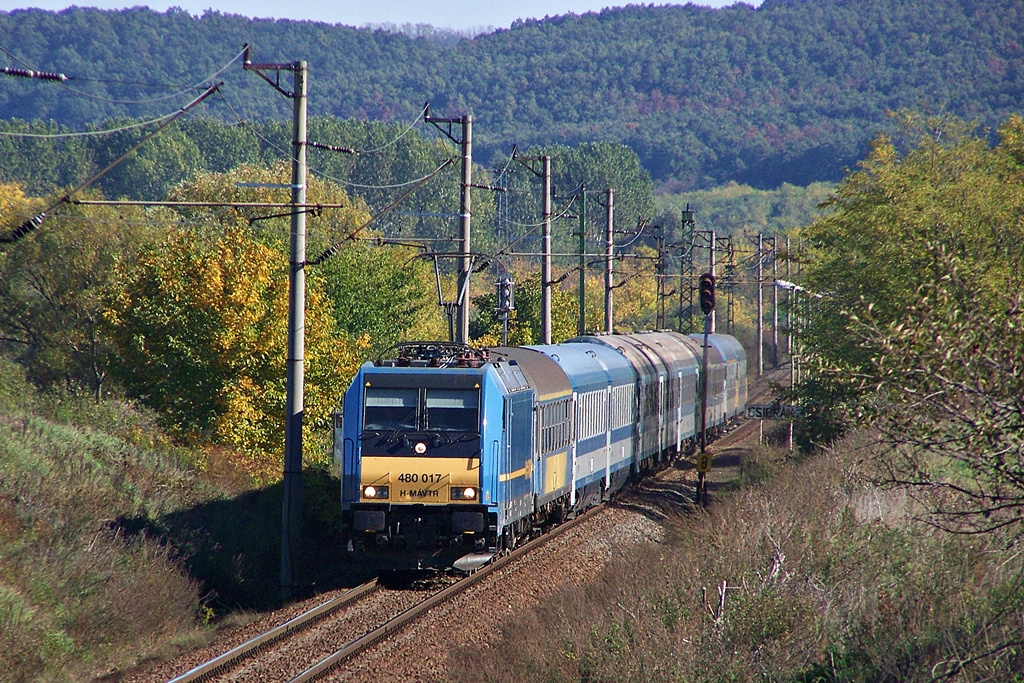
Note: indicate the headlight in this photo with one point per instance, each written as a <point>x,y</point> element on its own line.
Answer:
<point>463,493</point>
<point>375,492</point>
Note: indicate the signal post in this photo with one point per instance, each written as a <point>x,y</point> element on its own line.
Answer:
<point>707,306</point>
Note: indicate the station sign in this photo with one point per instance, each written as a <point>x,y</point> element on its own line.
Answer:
<point>773,411</point>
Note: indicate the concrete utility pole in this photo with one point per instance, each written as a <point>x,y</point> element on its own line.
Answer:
<point>791,322</point>
<point>291,510</point>
<point>789,300</point>
<point>545,272</point>
<point>465,218</point>
<point>609,258</point>
<point>581,327</point>
<point>545,269</point>
<point>291,501</point>
<point>711,269</point>
<point>465,215</point>
<point>775,302</point>
<point>799,322</point>
<point>760,305</point>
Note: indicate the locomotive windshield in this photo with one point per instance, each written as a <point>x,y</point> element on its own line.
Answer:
<point>452,410</point>
<point>422,410</point>
<point>391,409</point>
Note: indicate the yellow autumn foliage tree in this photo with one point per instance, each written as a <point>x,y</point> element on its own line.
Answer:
<point>202,327</point>
<point>13,203</point>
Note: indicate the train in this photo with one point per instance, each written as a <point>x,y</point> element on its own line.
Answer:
<point>451,454</point>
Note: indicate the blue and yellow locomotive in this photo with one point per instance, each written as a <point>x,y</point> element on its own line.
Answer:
<point>447,450</point>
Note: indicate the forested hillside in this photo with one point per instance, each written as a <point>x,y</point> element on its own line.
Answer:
<point>788,92</point>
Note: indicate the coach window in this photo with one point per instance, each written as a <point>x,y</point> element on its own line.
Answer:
<point>390,409</point>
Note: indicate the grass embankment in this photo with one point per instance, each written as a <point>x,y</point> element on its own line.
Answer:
<point>117,545</point>
<point>825,577</point>
<point>78,595</point>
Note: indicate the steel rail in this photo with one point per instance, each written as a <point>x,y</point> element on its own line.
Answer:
<point>224,661</point>
<point>403,619</point>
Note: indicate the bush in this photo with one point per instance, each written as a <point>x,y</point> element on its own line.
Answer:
<point>76,596</point>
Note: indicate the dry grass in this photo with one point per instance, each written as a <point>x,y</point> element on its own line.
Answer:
<point>825,578</point>
<point>77,597</point>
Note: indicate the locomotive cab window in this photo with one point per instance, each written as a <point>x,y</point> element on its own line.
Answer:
<point>456,410</point>
<point>390,409</point>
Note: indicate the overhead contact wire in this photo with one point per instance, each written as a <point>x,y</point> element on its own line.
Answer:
<point>561,214</point>
<point>60,78</point>
<point>33,223</point>
<point>162,98</point>
<point>110,131</point>
<point>333,249</point>
<point>403,134</point>
<point>313,170</point>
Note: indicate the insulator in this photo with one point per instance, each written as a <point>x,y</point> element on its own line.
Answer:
<point>29,73</point>
<point>333,148</point>
<point>29,225</point>
<point>48,76</point>
<point>24,229</point>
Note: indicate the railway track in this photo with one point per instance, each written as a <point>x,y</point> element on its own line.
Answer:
<point>232,658</point>
<point>268,655</point>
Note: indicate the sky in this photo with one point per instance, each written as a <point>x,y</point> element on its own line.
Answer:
<point>454,14</point>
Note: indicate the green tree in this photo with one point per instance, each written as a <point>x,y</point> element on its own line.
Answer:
<point>153,169</point>
<point>380,293</point>
<point>223,147</point>
<point>51,288</point>
<point>899,228</point>
<point>951,373</point>
<point>42,164</point>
